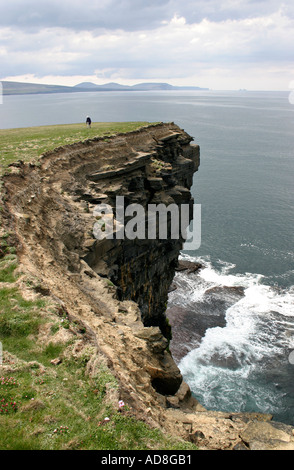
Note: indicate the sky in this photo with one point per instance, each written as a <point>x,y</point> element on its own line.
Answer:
<point>216,44</point>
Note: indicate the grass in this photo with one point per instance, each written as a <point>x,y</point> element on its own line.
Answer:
<point>56,405</point>
<point>29,143</point>
<point>47,406</point>
<point>7,270</point>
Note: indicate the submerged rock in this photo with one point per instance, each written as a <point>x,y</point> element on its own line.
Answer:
<point>189,266</point>
<point>189,322</point>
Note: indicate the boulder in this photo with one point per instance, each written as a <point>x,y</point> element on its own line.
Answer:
<point>259,435</point>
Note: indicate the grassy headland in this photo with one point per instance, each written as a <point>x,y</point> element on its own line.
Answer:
<point>48,398</point>
<point>29,143</point>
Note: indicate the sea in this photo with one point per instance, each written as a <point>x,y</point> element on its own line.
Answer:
<point>233,320</point>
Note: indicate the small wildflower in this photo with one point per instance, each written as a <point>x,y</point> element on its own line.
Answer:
<point>120,405</point>
<point>104,421</point>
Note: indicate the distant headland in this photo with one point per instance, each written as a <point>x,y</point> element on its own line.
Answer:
<point>18,88</point>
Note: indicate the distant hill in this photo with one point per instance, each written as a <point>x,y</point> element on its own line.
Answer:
<point>153,86</point>
<point>106,87</point>
<point>86,85</point>
<point>18,88</point>
<point>139,87</point>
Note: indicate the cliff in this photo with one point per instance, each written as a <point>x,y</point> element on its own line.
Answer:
<point>117,287</point>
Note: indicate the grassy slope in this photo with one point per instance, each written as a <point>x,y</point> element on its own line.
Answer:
<point>42,405</point>
<point>28,144</point>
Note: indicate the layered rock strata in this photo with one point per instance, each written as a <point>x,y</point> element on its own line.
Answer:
<point>158,171</point>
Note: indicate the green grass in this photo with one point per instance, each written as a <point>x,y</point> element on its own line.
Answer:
<point>29,143</point>
<point>49,407</point>
<point>7,268</point>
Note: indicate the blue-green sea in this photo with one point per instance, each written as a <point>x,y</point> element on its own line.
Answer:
<point>245,188</point>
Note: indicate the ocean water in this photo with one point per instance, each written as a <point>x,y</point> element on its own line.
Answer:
<point>233,321</point>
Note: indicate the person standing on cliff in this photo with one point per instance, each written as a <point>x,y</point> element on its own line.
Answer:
<point>88,121</point>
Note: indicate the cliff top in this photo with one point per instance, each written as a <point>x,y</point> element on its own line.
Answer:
<point>27,144</point>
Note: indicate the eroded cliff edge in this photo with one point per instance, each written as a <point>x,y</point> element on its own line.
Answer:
<point>117,288</point>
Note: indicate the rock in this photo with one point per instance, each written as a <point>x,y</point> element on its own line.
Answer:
<point>260,435</point>
<point>271,445</point>
<point>237,291</point>
<point>155,183</point>
<point>190,322</point>
<point>56,361</point>
<point>189,266</point>
<point>184,392</point>
<point>186,400</point>
<point>17,164</point>
<point>172,287</point>
<point>172,402</point>
<point>240,446</point>
<point>167,379</point>
<point>197,437</point>
<point>156,341</point>
<point>89,243</point>
<point>246,417</point>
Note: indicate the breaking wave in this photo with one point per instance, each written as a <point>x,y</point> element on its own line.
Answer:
<point>244,364</point>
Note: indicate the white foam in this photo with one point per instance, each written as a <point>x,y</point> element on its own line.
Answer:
<point>259,328</point>
<point>260,297</point>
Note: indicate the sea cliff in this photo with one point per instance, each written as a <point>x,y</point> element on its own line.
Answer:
<point>117,288</point>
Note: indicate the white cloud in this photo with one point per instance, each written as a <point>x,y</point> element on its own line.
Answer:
<point>176,50</point>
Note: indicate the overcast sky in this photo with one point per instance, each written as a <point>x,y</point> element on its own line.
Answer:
<point>218,44</point>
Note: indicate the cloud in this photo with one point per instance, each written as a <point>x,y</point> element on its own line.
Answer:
<point>129,15</point>
<point>78,15</point>
<point>223,10</point>
<point>164,39</point>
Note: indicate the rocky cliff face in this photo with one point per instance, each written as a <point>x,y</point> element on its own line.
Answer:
<point>117,288</point>
<point>51,207</point>
<point>158,170</point>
